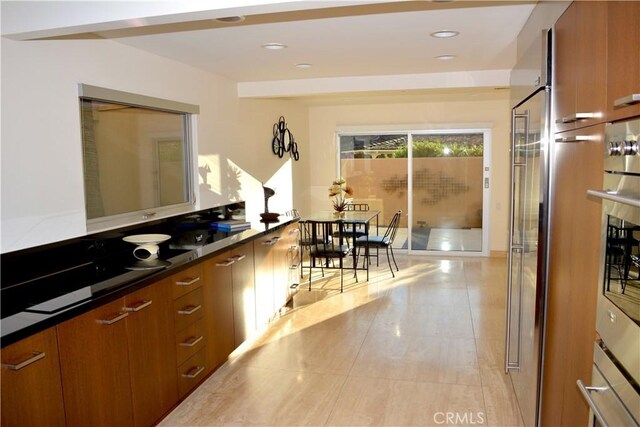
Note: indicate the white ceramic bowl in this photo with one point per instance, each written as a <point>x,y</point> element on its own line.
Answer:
<point>146,239</point>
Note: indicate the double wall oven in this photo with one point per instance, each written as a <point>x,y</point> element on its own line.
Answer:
<point>614,394</point>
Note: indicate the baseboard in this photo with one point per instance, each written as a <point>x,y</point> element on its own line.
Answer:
<point>498,254</point>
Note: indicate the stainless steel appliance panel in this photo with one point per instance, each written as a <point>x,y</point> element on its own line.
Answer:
<point>617,355</point>
<point>528,252</point>
<point>611,398</point>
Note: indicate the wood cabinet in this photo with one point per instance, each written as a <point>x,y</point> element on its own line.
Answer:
<point>244,297</point>
<point>94,360</point>
<point>580,67</point>
<point>128,362</point>
<point>623,59</point>
<point>154,386</point>
<point>286,265</point>
<point>263,252</point>
<point>118,361</point>
<point>218,304</point>
<point>573,279</point>
<point>31,382</point>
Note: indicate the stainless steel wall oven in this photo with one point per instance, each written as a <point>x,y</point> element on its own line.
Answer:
<point>614,396</point>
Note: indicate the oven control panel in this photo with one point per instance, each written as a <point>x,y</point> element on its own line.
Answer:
<point>622,147</point>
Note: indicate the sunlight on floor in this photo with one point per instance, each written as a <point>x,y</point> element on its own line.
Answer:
<point>390,351</point>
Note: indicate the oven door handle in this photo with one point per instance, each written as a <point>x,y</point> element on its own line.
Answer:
<point>594,407</point>
<point>614,197</point>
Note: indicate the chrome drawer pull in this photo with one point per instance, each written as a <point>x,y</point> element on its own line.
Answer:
<point>190,309</point>
<point>634,98</point>
<point>35,356</point>
<point>192,341</point>
<point>188,281</point>
<point>239,257</point>
<point>594,407</point>
<point>138,306</point>
<point>579,116</point>
<point>116,318</point>
<point>193,372</point>
<point>577,138</point>
<point>226,263</point>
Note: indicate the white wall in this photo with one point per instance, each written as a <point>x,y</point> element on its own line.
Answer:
<point>492,109</point>
<point>42,181</point>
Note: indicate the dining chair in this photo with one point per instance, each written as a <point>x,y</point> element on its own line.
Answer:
<point>358,229</point>
<point>379,242</point>
<point>325,249</point>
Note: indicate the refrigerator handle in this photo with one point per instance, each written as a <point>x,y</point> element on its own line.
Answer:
<point>510,364</point>
<point>513,248</point>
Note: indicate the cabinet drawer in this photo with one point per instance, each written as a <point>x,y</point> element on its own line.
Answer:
<point>187,280</point>
<point>191,373</point>
<point>189,341</point>
<point>187,309</point>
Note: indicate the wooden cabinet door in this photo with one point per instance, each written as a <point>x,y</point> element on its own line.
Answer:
<point>580,66</point>
<point>281,270</point>
<point>218,313</point>
<point>31,383</point>
<point>623,58</point>
<point>152,357</point>
<point>573,280</point>
<point>263,252</point>
<point>244,297</point>
<point>564,70</point>
<point>591,61</point>
<point>94,361</point>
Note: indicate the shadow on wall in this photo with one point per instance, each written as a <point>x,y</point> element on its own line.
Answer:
<point>219,181</point>
<point>223,181</point>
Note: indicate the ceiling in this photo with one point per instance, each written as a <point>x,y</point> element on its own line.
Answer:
<point>358,44</point>
<point>367,39</point>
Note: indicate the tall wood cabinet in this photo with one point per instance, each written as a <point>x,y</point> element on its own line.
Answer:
<point>573,274</point>
<point>31,382</point>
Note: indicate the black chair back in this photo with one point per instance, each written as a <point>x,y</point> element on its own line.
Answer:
<point>393,227</point>
<point>358,207</point>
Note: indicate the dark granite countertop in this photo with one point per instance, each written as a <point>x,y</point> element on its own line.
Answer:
<point>32,305</point>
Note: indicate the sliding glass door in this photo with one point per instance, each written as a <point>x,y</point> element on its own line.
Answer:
<point>439,179</point>
<point>378,177</point>
<point>447,194</point>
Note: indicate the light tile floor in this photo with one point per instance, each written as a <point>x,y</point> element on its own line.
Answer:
<point>408,351</point>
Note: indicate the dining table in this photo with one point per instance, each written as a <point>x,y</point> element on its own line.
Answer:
<point>360,219</point>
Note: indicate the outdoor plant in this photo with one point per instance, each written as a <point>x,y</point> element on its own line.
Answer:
<point>439,149</point>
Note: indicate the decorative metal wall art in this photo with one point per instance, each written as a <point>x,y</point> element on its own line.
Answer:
<point>283,140</point>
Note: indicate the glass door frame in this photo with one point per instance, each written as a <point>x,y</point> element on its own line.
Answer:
<point>453,129</point>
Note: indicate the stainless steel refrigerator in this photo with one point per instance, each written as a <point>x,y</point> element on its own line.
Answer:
<point>527,273</point>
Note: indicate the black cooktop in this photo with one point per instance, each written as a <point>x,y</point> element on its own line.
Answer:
<point>36,289</point>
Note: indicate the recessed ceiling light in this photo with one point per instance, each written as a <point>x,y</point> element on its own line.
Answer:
<point>444,34</point>
<point>446,57</point>
<point>230,19</point>
<point>274,46</point>
<point>304,65</point>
